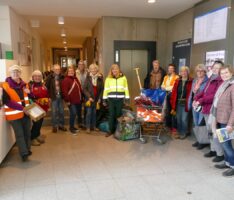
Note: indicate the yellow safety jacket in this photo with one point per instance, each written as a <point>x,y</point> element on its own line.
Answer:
<point>12,114</point>
<point>116,88</point>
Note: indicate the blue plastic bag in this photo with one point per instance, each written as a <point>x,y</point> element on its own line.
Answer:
<point>157,95</point>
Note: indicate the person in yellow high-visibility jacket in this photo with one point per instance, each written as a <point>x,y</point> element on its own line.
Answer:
<point>116,92</point>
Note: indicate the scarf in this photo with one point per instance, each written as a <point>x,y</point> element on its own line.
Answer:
<point>94,78</point>
<point>212,117</point>
<point>197,85</point>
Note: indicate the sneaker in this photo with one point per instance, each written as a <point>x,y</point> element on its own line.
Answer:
<point>210,154</point>
<point>218,159</point>
<point>221,166</point>
<point>40,139</point>
<point>202,146</point>
<point>62,128</point>
<point>54,130</point>
<point>228,173</point>
<point>73,130</point>
<point>35,143</point>
<point>195,144</point>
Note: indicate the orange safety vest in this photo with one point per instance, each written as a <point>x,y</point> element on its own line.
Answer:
<point>12,114</point>
<point>172,81</point>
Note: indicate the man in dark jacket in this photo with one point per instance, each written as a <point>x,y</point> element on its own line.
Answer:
<point>154,78</point>
<point>53,84</point>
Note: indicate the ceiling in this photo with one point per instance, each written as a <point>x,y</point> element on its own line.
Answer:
<point>82,15</point>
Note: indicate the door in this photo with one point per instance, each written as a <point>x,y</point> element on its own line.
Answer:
<point>129,59</point>
<point>181,53</point>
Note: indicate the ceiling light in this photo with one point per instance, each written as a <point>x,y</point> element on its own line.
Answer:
<point>60,20</point>
<point>64,42</point>
<point>151,1</point>
<point>63,33</point>
<point>35,23</point>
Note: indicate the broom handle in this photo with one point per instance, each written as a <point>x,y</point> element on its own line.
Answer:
<point>138,77</point>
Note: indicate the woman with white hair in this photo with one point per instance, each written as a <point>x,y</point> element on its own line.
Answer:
<point>205,100</point>
<point>179,102</point>
<point>38,94</point>
<point>198,86</point>
<point>15,98</point>
<point>93,90</point>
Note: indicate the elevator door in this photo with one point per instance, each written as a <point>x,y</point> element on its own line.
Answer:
<point>129,59</point>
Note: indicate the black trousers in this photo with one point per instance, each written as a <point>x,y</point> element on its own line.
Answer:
<point>36,129</point>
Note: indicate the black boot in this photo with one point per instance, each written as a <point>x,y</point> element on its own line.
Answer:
<point>210,154</point>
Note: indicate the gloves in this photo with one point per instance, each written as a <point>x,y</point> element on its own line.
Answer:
<point>173,112</point>
<point>98,106</point>
<point>88,103</point>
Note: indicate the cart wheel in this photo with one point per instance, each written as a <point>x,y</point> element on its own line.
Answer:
<point>160,141</point>
<point>143,140</point>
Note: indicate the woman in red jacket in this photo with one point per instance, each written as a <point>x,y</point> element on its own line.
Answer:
<point>38,94</point>
<point>71,90</point>
<point>179,102</point>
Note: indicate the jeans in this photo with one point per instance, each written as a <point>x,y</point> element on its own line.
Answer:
<point>91,117</point>
<point>75,110</point>
<point>228,149</point>
<point>36,129</point>
<point>22,132</point>
<point>57,112</point>
<point>182,119</point>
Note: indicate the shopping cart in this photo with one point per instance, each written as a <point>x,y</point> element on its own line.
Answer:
<point>152,123</point>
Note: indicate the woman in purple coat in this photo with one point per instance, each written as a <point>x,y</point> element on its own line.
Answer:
<point>205,99</point>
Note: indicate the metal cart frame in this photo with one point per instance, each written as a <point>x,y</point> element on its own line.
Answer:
<point>156,128</point>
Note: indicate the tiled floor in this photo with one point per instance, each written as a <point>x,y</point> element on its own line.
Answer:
<point>93,167</point>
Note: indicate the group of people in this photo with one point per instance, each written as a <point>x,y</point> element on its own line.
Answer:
<point>81,90</point>
<point>208,98</point>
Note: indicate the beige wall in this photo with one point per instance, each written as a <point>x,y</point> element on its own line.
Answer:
<point>5,36</point>
<point>10,38</point>
<point>179,27</point>
<point>121,28</point>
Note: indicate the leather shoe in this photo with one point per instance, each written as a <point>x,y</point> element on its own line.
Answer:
<point>228,173</point>
<point>195,144</point>
<point>210,154</point>
<point>202,146</point>
<point>218,159</point>
<point>221,166</point>
<point>54,130</point>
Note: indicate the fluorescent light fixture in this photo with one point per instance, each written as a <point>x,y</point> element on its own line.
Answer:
<point>35,23</point>
<point>151,1</point>
<point>61,20</point>
<point>63,33</point>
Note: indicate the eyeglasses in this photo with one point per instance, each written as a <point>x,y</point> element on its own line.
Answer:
<point>200,71</point>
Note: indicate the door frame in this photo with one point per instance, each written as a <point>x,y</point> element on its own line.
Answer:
<point>150,46</point>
